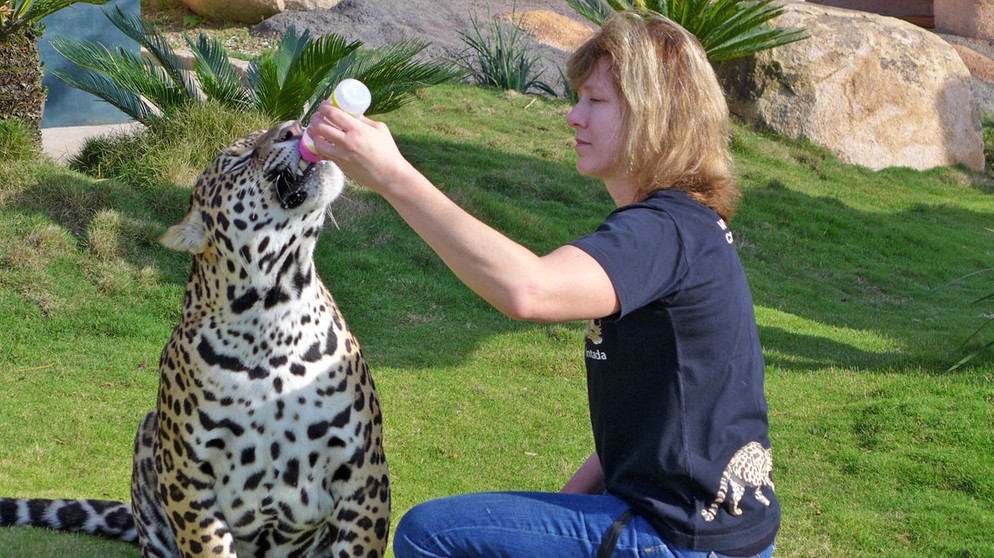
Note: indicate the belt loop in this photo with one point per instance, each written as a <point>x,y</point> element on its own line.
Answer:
<point>613,533</point>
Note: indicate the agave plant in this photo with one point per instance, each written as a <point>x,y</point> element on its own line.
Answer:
<point>500,58</point>
<point>22,95</point>
<point>988,320</point>
<point>285,83</point>
<point>727,29</point>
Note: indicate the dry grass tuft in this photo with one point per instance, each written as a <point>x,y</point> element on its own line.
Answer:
<point>552,29</point>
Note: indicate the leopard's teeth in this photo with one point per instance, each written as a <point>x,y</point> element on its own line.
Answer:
<point>302,166</point>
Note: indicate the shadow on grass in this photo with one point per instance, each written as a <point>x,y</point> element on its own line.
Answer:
<point>886,277</point>
<point>75,202</point>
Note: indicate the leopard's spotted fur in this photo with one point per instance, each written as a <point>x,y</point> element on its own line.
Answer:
<point>751,467</point>
<point>267,436</point>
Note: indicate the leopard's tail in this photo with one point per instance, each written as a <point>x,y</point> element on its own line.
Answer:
<point>96,517</point>
<point>710,513</point>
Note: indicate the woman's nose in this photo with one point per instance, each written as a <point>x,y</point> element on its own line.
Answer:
<point>573,117</point>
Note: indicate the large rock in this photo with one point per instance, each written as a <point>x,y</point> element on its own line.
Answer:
<point>238,11</point>
<point>876,91</point>
<point>252,11</point>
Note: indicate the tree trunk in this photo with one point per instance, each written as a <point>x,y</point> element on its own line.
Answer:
<point>22,95</point>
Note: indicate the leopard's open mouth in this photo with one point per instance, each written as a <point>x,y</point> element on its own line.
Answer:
<point>291,176</point>
<point>290,182</point>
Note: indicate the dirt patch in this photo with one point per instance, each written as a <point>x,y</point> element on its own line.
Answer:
<point>385,21</point>
<point>552,29</point>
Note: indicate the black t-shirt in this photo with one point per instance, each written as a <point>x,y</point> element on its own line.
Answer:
<point>675,380</point>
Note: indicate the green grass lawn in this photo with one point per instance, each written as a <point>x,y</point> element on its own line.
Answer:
<point>878,449</point>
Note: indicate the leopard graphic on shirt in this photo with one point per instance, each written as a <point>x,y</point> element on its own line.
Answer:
<point>594,332</point>
<point>595,336</point>
<point>749,467</point>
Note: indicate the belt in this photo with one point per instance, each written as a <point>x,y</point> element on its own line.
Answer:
<point>613,533</point>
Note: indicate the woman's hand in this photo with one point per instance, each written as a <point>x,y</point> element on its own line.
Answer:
<point>363,148</point>
<point>566,284</point>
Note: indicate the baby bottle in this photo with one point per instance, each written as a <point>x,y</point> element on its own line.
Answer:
<point>350,95</point>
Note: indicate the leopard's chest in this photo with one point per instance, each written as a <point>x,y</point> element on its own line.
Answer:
<point>278,454</point>
<point>268,416</point>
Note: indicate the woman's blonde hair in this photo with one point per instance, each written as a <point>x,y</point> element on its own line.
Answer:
<point>675,115</point>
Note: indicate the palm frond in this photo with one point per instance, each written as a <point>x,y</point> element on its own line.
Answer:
<point>738,29</point>
<point>125,73</point>
<point>323,54</point>
<point>18,14</point>
<point>289,82</point>
<point>701,17</point>
<point>753,42</point>
<point>390,72</point>
<point>103,87</point>
<point>219,80</point>
<point>726,28</point>
<point>315,69</point>
<point>146,35</point>
<point>35,10</point>
<point>596,11</point>
<point>284,81</point>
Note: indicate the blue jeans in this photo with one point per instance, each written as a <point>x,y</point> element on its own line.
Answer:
<point>527,524</point>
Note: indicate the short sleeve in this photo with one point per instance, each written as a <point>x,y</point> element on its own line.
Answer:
<point>640,249</point>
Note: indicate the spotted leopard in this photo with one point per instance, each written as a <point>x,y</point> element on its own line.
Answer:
<point>751,466</point>
<point>266,439</point>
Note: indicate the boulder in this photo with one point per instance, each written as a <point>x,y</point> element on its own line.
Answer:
<point>875,91</point>
<point>979,65</point>
<point>237,11</point>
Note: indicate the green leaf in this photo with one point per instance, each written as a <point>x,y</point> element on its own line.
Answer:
<point>125,75</point>
<point>596,11</point>
<point>146,35</point>
<point>28,13</point>
<point>103,87</point>
<point>726,28</point>
<point>284,81</point>
<point>218,77</point>
<point>391,74</point>
<point>38,9</point>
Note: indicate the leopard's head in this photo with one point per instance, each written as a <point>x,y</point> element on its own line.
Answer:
<point>254,198</point>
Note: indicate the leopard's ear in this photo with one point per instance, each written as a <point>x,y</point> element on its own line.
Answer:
<point>189,235</point>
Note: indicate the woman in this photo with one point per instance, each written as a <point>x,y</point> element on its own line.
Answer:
<point>674,367</point>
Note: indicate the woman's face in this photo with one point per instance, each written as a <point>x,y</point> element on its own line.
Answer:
<point>597,119</point>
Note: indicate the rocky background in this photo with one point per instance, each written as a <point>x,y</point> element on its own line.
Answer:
<point>874,90</point>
